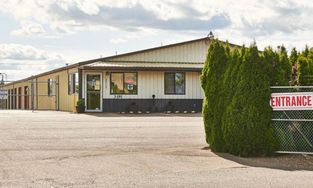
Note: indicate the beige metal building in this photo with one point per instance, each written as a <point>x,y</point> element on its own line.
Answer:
<point>165,78</point>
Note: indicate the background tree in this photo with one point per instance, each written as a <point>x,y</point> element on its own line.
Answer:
<point>293,56</point>
<point>282,71</point>
<point>294,60</point>
<point>272,61</point>
<point>304,68</point>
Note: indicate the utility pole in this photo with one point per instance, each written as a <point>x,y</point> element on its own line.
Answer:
<point>4,97</point>
<point>6,78</point>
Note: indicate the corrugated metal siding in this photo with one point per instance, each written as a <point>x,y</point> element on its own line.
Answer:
<point>189,52</point>
<point>66,102</point>
<point>150,83</point>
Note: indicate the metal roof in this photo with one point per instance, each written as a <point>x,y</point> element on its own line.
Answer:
<point>140,65</point>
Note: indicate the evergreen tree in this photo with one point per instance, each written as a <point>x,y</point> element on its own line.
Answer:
<point>293,60</point>
<point>248,130</point>
<point>293,56</point>
<point>283,70</point>
<point>212,83</point>
<point>304,65</point>
<point>230,86</point>
<point>236,111</point>
<point>272,60</point>
<point>306,51</point>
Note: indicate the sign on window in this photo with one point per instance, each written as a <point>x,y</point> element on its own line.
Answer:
<point>130,87</point>
<point>3,94</point>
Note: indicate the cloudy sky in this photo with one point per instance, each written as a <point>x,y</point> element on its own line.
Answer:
<point>39,35</point>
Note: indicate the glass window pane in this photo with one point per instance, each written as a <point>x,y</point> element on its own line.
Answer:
<point>70,84</point>
<point>93,82</point>
<point>117,83</point>
<point>50,86</point>
<point>76,83</point>
<point>179,83</point>
<point>169,83</point>
<point>130,83</point>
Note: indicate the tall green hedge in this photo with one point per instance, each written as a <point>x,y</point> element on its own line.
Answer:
<point>236,110</point>
<point>236,82</point>
<point>212,80</point>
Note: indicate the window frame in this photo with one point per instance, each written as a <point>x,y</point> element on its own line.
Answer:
<point>72,87</point>
<point>166,73</point>
<point>50,90</point>
<point>111,93</point>
<point>76,83</point>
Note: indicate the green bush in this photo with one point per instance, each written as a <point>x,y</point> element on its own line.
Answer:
<point>294,56</point>
<point>212,81</point>
<point>305,68</point>
<point>236,110</point>
<point>80,106</point>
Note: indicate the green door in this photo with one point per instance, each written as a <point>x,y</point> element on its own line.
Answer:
<point>93,92</point>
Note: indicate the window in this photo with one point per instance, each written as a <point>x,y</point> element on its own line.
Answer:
<point>124,83</point>
<point>70,84</point>
<point>50,86</point>
<point>174,83</point>
<point>73,85</point>
<point>76,82</point>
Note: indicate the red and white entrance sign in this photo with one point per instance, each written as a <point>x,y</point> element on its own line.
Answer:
<point>292,101</point>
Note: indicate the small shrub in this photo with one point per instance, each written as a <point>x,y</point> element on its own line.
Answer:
<point>80,106</point>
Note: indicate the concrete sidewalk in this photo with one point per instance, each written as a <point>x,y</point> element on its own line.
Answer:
<point>60,149</point>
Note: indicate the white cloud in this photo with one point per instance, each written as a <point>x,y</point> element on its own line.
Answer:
<point>251,18</point>
<point>118,40</point>
<point>21,52</point>
<point>74,15</point>
<point>23,60</point>
<point>29,29</point>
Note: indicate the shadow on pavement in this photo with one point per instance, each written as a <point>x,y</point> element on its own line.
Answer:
<point>289,162</point>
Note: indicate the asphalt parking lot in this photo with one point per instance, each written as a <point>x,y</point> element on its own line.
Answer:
<point>60,149</point>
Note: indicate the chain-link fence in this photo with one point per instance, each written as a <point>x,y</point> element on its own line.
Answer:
<point>294,128</point>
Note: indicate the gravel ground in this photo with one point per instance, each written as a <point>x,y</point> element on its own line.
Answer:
<point>60,149</point>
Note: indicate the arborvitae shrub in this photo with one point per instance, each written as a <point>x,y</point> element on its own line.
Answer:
<point>212,83</point>
<point>284,68</point>
<point>294,56</point>
<point>251,106</point>
<point>304,67</point>
<point>272,61</point>
<point>293,60</point>
<point>304,70</point>
<point>229,88</point>
<point>236,110</point>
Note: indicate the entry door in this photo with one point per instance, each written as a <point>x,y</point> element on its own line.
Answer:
<point>93,92</point>
<point>26,98</point>
<point>19,98</point>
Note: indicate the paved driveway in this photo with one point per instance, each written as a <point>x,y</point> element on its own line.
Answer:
<point>60,149</point>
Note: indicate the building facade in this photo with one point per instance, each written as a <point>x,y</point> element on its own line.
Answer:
<point>165,78</point>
